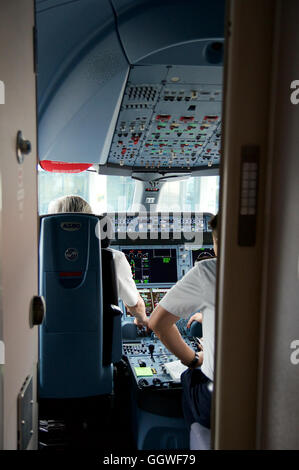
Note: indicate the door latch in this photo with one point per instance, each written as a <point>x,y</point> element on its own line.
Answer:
<point>23,147</point>
<point>37,310</point>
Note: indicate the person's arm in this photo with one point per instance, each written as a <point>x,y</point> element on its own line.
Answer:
<point>127,290</point>
<point>138,311</point>
<point>162,323</point>
<point>182,299</point>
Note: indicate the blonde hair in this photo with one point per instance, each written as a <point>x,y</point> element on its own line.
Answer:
<point>69,204</point>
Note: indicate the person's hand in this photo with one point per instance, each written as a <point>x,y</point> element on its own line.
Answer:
<point>195,317</point>
<point>141,322</point>
<point>199,344</point>
<point>200,360</point>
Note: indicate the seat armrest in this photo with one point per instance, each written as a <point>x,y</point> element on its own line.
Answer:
<point>115,348</point>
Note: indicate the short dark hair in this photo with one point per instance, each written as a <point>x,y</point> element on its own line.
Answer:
<point>214,223</point>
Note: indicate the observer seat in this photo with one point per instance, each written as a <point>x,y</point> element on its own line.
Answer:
<point>80,336</point>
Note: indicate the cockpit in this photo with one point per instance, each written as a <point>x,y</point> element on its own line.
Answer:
<point>129,118</point>
<point>147,175</point>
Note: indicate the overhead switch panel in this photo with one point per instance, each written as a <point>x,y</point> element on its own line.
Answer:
<point>170,118</point>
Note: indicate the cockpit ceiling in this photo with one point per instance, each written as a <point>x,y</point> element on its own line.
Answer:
<point>130,85</point>
<point>170,119</point>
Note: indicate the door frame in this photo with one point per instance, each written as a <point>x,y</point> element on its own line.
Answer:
<point>247,86</point>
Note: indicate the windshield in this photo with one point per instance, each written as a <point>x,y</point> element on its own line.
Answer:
<point>196,194</point>
<point>107,193</point>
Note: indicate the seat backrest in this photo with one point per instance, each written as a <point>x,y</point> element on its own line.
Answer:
<point>71,362</point>
<point>112,339</point>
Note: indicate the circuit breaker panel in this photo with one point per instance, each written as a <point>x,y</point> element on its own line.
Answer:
<point>170,118</point>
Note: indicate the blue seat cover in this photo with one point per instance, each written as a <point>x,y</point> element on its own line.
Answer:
<point>70,339</point>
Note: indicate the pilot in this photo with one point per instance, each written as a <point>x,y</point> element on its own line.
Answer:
<point>127,289</point>
<point>194,292</point>
<point>197,316</point>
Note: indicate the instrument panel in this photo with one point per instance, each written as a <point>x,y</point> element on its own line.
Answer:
<point>170,118</point>
<point>153,228</point>
<point>155,269</point>
<point>148,359</point>
<point>146,355</point>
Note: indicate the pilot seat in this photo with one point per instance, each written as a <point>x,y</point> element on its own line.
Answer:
<point>80,337</point>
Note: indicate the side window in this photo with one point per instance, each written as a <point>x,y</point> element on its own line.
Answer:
<point>104,193</point>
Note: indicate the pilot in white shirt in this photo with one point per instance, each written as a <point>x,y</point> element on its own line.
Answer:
<point>127,290</point>
<point>194,292</point>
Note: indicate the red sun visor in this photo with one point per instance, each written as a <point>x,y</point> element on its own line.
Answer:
<point>62,167</point>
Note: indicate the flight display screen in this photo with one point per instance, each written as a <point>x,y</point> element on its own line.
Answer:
<point>151,297</point>
<point>158,295</point>
<point>148,301</point>
<point>201,254</point>
<point>152,265</point>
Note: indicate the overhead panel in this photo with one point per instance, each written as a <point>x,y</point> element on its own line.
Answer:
<point>170,118</point>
